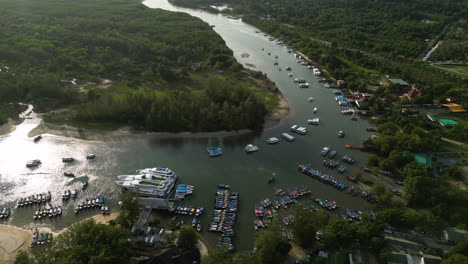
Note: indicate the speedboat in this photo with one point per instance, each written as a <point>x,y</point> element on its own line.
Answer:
<point>223,186</point>
<point>288,68</point>
<point>198,226</point>
<point>90,156</point>
<point>33,163</point>
<point>73,194</point>
<point>315,110</point>
<point>68,159</point>
<point>272,140</point>
<point>332,154</point>
<point>271,179</point>
<point>341,134</point>
<point>288,137</point>
<point>251,148</point>
<point>36,139</point>
<point>313,121</point>
<point>310,99</point>
<point>298,129</point>
<point>214,151</point>
<point>325,151</point>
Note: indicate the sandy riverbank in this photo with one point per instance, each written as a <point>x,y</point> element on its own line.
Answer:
<point>14,239</point>
<point>123,133</point>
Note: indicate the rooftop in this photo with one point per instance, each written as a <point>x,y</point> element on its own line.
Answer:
<point>456,108</point>
<point>447,122</point>
<point>399,81</point>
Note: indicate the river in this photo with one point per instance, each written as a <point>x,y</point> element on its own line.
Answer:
<point>246,173</point>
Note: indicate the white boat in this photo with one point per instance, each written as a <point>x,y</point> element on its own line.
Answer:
<point>325,151</point>
<point>313,121</point>
<point>288,137</point>
<point>310,99</point>
<point>251,148</point>
<point>33,163</point>
<point>272,140</point>
<point>298,129</point>
<point>290,74</point>
<point>315,110</point>
<point>149,184</point>
<point>157,171</point>
<point>341,134</point>
<point>304,85</point>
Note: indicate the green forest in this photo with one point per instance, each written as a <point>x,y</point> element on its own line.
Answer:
<point>154,58</point>
<point>387,26</point>
<point>356,39</point>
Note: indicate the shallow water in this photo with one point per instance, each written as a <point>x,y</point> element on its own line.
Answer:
<point>246,173</point>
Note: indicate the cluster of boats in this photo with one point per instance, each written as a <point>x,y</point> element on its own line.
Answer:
<point>307,170</point>
<point>348,159</point>
<point>183,190</point>
<point>224,217</point>
<point>41,238</point>
<point>34,199</point>
<point>5,213</point>
<point>36,162</point>
<point>355,214</point>
<point>264,212</point>
<point>348,111</point>
<point>187,210</point>
<point>327,204</point>
<point>93,203</point>
<point>155,182</point>
<point>48,210</point>
<point>67,194</point>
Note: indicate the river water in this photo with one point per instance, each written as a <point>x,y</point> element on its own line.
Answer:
<point>246,173</point>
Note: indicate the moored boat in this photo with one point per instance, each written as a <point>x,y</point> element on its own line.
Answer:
<point>272,140</point>
<point>288,137</point>
<point>36,139</point>
<point>33,163</point>
<point>90,156</point>
<point>251,148</point>
<point>68,159</point>
<point>214,151</point>
<point>325,151</point>
<point>341,134</point>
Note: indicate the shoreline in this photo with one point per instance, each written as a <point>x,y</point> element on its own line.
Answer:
<point>271,120</point>
<point>16,238</point>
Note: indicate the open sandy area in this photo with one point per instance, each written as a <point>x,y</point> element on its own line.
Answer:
<point>14,239</point>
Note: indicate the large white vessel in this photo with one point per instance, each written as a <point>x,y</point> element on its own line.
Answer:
<point>156,182</point>
<point>157,171</point>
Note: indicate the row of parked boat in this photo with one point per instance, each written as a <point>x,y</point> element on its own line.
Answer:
<point>183,190</point>
<point>306,169</point>
<point>36,162</point>
<point>5,213</point>
<point>355,215</point>
<point>187,210</point>
<point>48,211</point>
<point>34,199</point>
<point>92,203</point>
<point>224,217</point>
<point>41,238</point>
<point>67,194</point>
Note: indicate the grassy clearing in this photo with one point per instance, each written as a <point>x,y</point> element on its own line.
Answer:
<point>458,69</point>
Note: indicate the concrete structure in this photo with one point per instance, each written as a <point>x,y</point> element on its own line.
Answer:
<point>399,81</point>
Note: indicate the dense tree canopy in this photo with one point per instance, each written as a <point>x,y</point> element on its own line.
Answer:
<point>159,63</point>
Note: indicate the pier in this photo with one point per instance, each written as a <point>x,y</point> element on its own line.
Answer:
<point>157,204</point>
